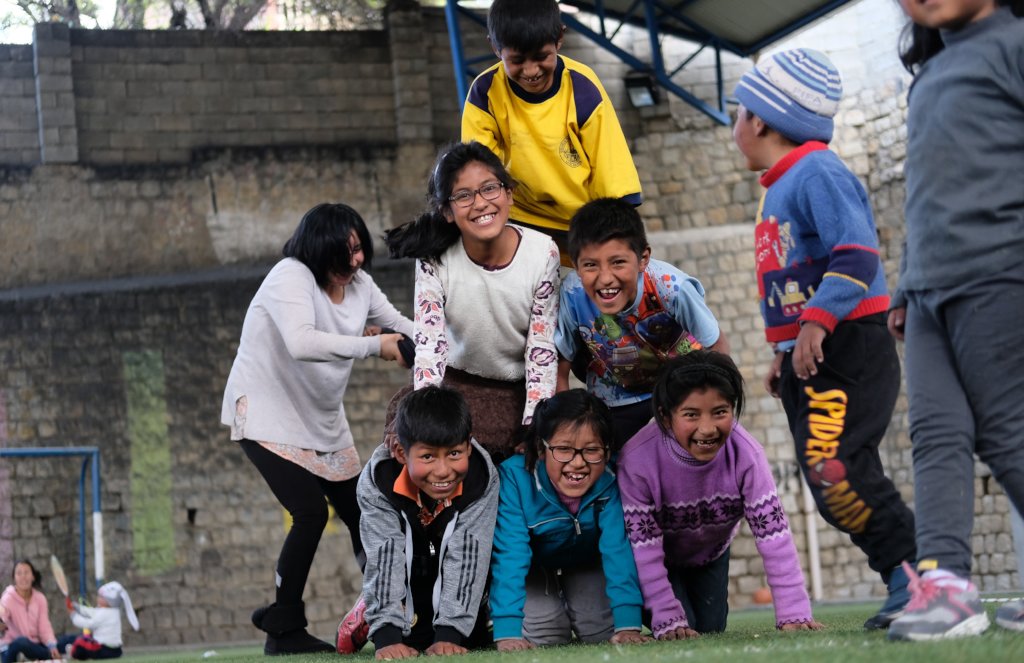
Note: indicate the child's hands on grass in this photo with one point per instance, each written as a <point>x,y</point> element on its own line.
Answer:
<point>629,638</point>
<point>802,626</point>
<point>514,644</point>
<point>679,633</point>
<point>445,649</point>
<point>395,652</point>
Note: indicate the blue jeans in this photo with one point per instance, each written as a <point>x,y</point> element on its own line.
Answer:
<point>32,650</point>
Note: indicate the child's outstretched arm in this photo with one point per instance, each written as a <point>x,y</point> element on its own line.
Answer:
<point>510,562</point>
<point>430,338</point>
<point>763,511</point>
<point>621,581</point>
<point>668,619</point>
<point>541,357</point>
<point>465,554</point>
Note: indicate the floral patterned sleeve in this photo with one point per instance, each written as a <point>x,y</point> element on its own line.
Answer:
<point>431,341</point>
<point>541,356</point>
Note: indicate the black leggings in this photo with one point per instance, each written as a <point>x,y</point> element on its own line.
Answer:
<point>302,494</point>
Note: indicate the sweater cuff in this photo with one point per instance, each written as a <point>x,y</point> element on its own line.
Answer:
<point>820,316</point>
<point>506,628</point>
<point>448,634</point>
<point>627,618</point>
<point>386,635</point>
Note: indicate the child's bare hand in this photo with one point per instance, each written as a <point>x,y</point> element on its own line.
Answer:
<point>897,322</point>
<point>445,649</point>
<point>517,644</point>
<point>629,638</point>
<point>680,633</point>
<point>808,353</point>
<point>371,330</point>
<point>771,379</point>
<point>803,626</point>
<point>389,348</point>
<point>395,652</point>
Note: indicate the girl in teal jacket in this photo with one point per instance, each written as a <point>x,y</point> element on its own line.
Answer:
<point>561,563</point>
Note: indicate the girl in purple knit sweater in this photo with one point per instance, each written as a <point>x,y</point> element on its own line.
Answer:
<point>686,480</point>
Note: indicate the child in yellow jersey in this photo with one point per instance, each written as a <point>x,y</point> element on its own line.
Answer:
<point>568,147</point>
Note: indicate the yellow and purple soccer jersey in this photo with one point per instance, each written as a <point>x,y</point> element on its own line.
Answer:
<point>564,147</point>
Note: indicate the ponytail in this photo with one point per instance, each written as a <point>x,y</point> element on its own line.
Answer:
<point>425,238</point>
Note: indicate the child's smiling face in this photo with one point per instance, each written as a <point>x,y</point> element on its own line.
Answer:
<point>575,477</point>
<point>702,423</point>
<point>534,72</point>
<point>436,471</point>
<point>481,220</point>
<point>610,272</point>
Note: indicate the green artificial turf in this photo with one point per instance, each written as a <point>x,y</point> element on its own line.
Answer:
<point>751,636</point>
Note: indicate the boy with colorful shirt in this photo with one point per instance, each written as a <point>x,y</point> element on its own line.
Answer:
<point>549,120</point>
<point>427,526</point>
<point>625,313</point>
<point>823,300</point>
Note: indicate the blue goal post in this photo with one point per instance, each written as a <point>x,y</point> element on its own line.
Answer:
<point>91,459</point>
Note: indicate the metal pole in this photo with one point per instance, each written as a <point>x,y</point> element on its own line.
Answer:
<point>99,570</point>
<point>451,16</point>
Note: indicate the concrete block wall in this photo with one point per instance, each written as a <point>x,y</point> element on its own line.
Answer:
<point>155,96</point>
<point>236,205</point>
<point>19,124</point>
<point>65,380</point>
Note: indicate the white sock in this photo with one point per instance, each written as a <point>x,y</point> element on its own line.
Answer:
<point>944,578</point>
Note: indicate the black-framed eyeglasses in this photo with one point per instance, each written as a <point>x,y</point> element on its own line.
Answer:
<point>465,197</point>
<point>591,455</point>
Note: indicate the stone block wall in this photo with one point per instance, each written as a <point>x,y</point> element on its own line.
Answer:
<point>217,186</point>
<point>137,367</point>
<point>155,96</point>
<point>19,126</point>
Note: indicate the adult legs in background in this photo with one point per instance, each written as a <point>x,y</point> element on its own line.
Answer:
<point>302,494</point>
<point>965,375</point>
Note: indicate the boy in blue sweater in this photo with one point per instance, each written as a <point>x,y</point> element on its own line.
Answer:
<point>823,299</point>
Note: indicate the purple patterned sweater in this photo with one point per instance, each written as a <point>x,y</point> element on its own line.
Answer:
<point>684,513</point>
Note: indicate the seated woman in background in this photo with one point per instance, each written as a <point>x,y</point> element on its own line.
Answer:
<point>25,619</point>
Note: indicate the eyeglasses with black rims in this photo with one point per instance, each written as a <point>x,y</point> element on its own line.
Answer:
<point>465,197</point>
<point>591,455</point>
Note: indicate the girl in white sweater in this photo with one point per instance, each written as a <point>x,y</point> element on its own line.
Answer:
<point>486,296</point>
<point>283,401</point>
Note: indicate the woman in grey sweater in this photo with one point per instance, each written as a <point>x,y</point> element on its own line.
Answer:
<point>283,400</point>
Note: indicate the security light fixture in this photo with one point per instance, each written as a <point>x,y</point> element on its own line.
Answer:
<point>642,90</point>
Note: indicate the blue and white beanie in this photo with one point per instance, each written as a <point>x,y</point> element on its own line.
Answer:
<point>795,92</point>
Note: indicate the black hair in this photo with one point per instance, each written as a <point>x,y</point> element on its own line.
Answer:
<point>919,44</point>
<point>430,235</point>
<point>524,25</point>
<point>37,579</point>
<point>575,408</point>
<point>695,371</point>
<point>320,241</point>
<point>434,415</point>
<point>606,219</point>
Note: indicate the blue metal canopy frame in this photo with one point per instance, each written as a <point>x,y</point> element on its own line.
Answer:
<point>90,454</point>
<point>658,18</point>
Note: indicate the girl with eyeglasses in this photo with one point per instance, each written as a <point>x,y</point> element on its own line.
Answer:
<point>561,564</point>
<point>486,296</point>
<point>687,479</point>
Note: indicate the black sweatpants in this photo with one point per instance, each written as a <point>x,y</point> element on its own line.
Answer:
<point>838,418</point>
<point>302,494</point>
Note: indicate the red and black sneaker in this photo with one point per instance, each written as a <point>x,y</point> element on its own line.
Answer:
<point>353,631</point>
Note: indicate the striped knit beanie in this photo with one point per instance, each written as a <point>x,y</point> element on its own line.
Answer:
<point>795,92</point>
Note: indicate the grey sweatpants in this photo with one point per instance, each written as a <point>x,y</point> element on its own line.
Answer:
<point>965,381</point>
<point>560,603</point>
